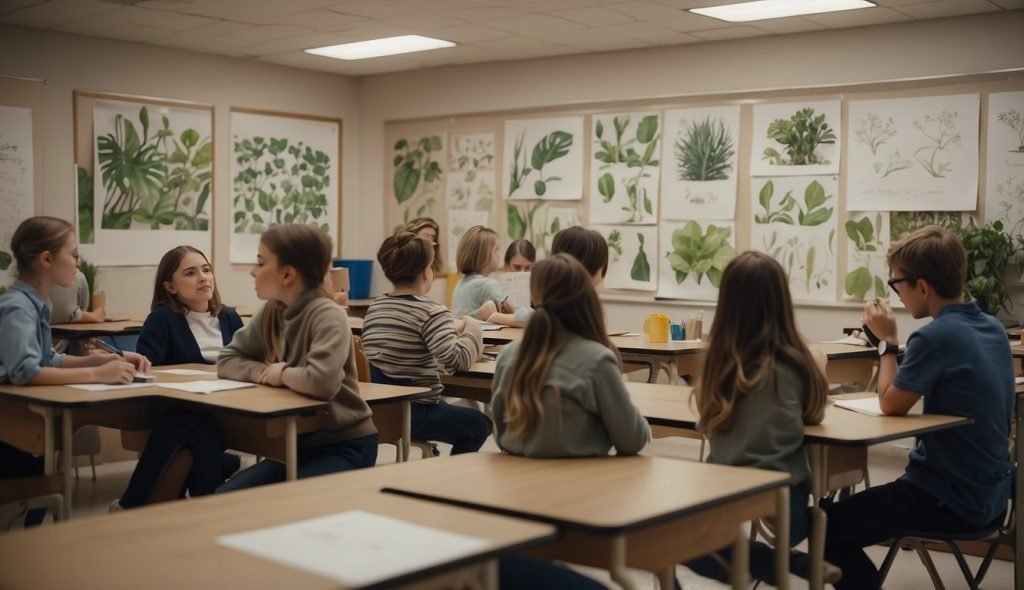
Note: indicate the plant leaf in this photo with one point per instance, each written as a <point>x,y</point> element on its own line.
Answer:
<point>647,129</point>
<point>553,146</point>
<point>606,186</point>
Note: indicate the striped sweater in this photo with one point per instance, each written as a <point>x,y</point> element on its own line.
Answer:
<point>409,337</point>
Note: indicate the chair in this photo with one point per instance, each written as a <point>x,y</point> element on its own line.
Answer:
<point>21,494</point>
<point>86,442</point>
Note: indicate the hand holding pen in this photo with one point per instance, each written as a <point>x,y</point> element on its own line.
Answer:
<point>138,361</point>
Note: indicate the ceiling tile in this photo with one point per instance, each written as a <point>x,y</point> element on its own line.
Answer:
<point>551,5</point>
<point>219,29</point>
<point>687,22</point>
<point>858,18</point>
<point>470,33</point>
<point>422,21</point>
<point>643,10</point>
<point>594,17</point>
<point>12,4</point>
<point>322,20</point>
<point>898,2</point>
<point>650,33</point>
<point>375,9</point>
<point>56,12</point>
<point>728,33</point>
<point>1008,4</point>
<point>535,25</point>
<point>292,44</point>
<point>263,33</point>
<point>482,14</point>
<point>513,44</point>
<point>169,5</point>
<point>943,8</point>
<point>785,26</point>
<point>219,44</point>
<point>373,31</point>
<point>160,19</point>
<point>98,26</point>
<point>600,40</point>
<point>460,54</point>
<point>251,11</point>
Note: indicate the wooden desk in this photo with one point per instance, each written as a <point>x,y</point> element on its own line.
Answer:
<point>173,545</point>
<point>613,512</point>
<point>260,419</point>
<point>357,307</point>
<point>88,330</point>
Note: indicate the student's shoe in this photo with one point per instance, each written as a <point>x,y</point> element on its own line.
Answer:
<point>115,506</point>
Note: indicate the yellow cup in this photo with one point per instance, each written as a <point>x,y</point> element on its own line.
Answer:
<point>656,327</point>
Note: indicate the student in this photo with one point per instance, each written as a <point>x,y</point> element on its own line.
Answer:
<point>478,255</point>
<point>520,256</point>
<point>585,245</point>
<point>559,392</point>
<point>426,227</point>
<point>957,480</point>
<point>409,340</point>
<point>70,305</point>
<point>187,324</point>
<point>301,340</point>
<point>45,250</point>
<point>759,385</point>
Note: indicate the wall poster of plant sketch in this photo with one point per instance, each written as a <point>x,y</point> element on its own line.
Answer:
<point>415,176</point>
<point>699,163</point>
<point>632,256</point>
<point>285,168</point>
<point>796,138</point>
<point>913,154</point>
<point>1004,192</point>
<point>543,158</point>
<point>794,220</point>
<point>624,168</point>
<point>867,242</point>
<point>538,222</point>
<point>471,172</point>
<point>691,257</point>
<point>150,181</point>
<point>17,194</point>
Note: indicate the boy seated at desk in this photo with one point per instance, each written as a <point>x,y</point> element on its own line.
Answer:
<point>957,480</point>
<point>70,305</point>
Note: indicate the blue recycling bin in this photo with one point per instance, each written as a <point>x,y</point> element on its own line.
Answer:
<point>360,273</point>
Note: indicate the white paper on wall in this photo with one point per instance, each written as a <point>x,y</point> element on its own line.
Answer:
<point>471,178</point>
<point>692,256</point>
<point>796,138</point>
<point>698,178</point>
<point>543,158</point>
<point>913,154</point>
<point>1004,193</point>
<point>632,256</point>
<point>16,181</point>
<point>624,168</point>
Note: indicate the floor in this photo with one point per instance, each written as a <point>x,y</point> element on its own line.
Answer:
<point>92,498</point>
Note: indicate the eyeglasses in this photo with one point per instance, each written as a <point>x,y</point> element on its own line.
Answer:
<point>897,280</point>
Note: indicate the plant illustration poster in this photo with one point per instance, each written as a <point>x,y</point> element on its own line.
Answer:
<point>16,182</point>
<point>698,179</point>
<point>632,256</point>
<point>538,222</point>
<point>558,218</point>
<point>543,159</point>
<point>794,220</point>
<point>867,270</point>
<point>624,168</point>
<point>152,189</point>
<point>913,154</point>
<point>796,138</point>
<point>1004,192</point>
<point>415,173</point>
<point>692,256</point>
<point>284,169</point>
<point>459,221</point>
<point>471,172</point>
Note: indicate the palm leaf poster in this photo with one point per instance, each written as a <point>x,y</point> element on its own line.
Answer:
<point>543,159</point>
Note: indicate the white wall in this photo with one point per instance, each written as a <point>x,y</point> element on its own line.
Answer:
<point>975,44</point>
<point>69,62</point>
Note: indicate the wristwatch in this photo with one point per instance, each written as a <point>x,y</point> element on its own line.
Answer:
<point>885,348</point>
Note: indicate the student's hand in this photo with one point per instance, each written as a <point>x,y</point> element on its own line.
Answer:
<point>340,297</point>
<point>460,325</point>
<point>505,307</point>
<point>486,310</point>
<point>140,362</point>
<point>100,314</point>
<point>879,317</point>
<point>116,372</point>
<point>272,375</point>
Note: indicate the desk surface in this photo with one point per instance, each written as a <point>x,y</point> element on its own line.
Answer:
<point>173,545</point>
<point>668,405</point>
<point>605,495</point>
<point>112,327</point>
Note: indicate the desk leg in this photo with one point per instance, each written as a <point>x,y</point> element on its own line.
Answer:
<point>819,477</point>
<point>49,438</point>
<point>406,429</point>
<point>782,538</point>
<point>740,562</point>
<point>291,451</point>
<point>667,578</point>
<point>490,575</point>
<point>617,567</point>
<point>66,457</point>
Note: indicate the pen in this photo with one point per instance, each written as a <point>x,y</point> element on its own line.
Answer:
<point>110,347</point>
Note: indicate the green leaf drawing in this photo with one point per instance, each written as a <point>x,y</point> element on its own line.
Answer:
<point>606,186</point>
<point>858,283</point>
<point>86,229</point>
<point>641,270</point>
<point>5,260</point>
<point>623,150</point>
<point>647,130</point>
<point>800,136</point>
<point>413,163</point>
<point>701,253</point>
<point>813,212</point>
<point>615,245</point>
<point>704,151</point>
<point>551,147</point>
<point>519,169</point>
<point>516,223</point>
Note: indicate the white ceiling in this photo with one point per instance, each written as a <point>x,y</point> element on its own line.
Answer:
<point>276,31</point>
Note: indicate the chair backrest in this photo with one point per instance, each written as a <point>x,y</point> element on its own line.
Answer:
<point>362,365</point>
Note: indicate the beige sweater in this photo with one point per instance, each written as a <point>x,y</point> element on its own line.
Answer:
<point>321,364</point>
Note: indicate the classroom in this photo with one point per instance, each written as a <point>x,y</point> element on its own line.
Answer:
<point>816,140</point>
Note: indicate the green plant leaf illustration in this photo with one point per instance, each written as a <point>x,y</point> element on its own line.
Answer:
<point>5,260</point>
<point>516,223</point>
<point>704,151</point>
<point>606,186</point>
<point>858,283</point>
<point>641,270</point>
<point>615,245</point>
<point>553,146</point>
<point>702,253</point>
<point>407,178</point>
<point>800,136</point>
<point>647,130</point>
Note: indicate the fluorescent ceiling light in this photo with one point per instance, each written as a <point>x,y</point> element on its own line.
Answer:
<point>765,9</point>
<point>381,47</point>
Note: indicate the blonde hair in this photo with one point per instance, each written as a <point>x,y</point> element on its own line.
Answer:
<point>476,249</point>
<point>565,303</point>
<point>753,332</point>
<point>33,237</point>
<point>421,223</point>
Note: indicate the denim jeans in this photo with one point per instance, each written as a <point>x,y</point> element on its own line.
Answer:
<point>179,429</point>
<point>347,455</point>
<point>516,572</point>
<point>762,556</point>
<point>465,429</point>
<point>17,463</point>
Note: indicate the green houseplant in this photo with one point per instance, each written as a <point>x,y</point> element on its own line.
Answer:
<point>989,251</point>
<point>89,270</point>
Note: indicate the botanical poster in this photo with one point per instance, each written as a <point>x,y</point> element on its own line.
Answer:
<point>913,154</point>
<point>416,155</point>
<point>632,256</point>
<point>795,221</point>
<point>538,222</point>
<point>699,173</point>
<point>867,235</point>
<point>151,187</point>
<point>284,169</point>
<point>558,218</point>
<point>16,182</point>
<point>1004,193</point>
<point>624,168</point>
<point>471,172</point>
<point>796,138</point>
<point>543,158</point>
<point>692,256</point>
<point>458,222</point>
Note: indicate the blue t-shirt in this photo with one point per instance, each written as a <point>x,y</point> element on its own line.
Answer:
<point>961,365</point>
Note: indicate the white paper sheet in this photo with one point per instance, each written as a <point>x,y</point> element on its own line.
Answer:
<point>208,386</point>
<point>356,548</point>
<point>517,286</point>
<point>96,387</point>
<point>866,405</point>
<point>187,372</point>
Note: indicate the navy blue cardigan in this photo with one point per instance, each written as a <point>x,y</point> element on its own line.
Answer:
<point>166,338</point>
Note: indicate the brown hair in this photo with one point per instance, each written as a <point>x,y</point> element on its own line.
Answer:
<point>475,249</point>
<point>404,257</point>
<point>306,249</point>
<point>935,255</point>
<point>565,303</point>
<point>165,273</point>
<point>419,224</point>
<point>34,236</point>
<point>586,245</point>
<point>754,331</point>
<point>523,248</point>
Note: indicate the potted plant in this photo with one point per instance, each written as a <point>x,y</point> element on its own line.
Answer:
<point>89,270</point>
<point>989,251</point>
